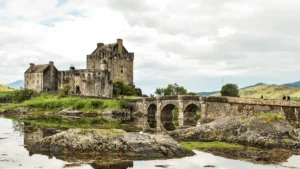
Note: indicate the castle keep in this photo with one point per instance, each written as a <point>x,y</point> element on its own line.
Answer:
<point>104,65</point>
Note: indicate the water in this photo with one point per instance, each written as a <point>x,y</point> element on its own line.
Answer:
<point>14,155</point>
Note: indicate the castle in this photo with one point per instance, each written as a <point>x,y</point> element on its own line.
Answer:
<point>104,65</point>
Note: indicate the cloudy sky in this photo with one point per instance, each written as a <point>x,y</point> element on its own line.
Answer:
<point>195,43</point>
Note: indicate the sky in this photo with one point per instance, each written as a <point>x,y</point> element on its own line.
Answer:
<point>199,44</point>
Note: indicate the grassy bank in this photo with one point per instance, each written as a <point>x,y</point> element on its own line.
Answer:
<point>45,102</point>
<point>51,121</point>
<point>206,145</point>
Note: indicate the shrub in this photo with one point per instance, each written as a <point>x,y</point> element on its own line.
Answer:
<point>125,105</point>
<point>96,104</point>
<point>24,94</point>
<point>65,90</point>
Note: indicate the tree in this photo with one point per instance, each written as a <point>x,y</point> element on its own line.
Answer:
<point>171,89</point>
<point>120,88</point>
<point>230,90</point>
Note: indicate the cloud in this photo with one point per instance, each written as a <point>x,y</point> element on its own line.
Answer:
<point>191,42</point>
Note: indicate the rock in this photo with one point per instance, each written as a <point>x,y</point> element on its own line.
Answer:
<point>70,112</point>
<point>254,131</point>
<point>116,115</point>
<point>18,112</point>
<point>111,143</point>
<point>112,164</point>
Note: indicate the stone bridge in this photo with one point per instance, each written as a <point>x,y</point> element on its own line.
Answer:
<point>160,112</point>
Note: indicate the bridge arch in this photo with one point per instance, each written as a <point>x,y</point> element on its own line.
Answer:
<point>190,114</point>
<point>169,116</point>
<point>151,113</point>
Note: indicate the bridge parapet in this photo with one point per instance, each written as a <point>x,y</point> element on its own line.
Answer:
<point>189,97</point>
<point>167,98</point>
<point>245,101</point>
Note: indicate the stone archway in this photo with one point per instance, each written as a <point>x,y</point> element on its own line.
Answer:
<point>168,116</point>
<point>190,115</point>
<point>77,90</point>
<point>151,112</point>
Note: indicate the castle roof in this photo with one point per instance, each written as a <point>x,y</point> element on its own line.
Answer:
<point>37,68</point>
<point>104,47</point>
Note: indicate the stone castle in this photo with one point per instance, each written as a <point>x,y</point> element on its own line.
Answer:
<point>104,65</point>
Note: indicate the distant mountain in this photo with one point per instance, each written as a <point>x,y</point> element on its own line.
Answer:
<point>295,84</point>
<point>216,92</point>
<point>16,85</point>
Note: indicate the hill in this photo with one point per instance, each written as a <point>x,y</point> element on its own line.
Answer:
<point>16,85</point>
<point>269,92</point>
<point>295,84</point>
<point>4,88</point>
<point>216,92</point>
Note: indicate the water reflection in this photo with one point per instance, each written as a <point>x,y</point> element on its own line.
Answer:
<point>13,154</point>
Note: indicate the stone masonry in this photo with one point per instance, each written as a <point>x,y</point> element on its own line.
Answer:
<point>104,65</point>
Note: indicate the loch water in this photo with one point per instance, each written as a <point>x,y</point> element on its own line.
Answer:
<point>15,138</point>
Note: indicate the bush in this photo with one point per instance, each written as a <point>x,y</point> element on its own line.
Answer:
<point>65,90</point>
<point>125,105</point>
<point>120,88</point>
<point>24,94</point>
<point>230,90</point>
<point>95,104</point>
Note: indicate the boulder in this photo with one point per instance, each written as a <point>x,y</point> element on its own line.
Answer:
<point>111,143</point>
<point>254,131</point>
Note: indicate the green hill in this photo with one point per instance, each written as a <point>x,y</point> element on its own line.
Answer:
<point>4,88</point>
<point>269,92</point>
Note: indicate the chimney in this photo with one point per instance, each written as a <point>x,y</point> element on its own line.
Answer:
<point>51,63</point>
<point>120,45</point>
<point>99,45</point>
<point>72,67</point>
<point>31,66</point>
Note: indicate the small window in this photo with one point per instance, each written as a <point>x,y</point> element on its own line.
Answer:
<point>122,69</point>
<point>37,82</point>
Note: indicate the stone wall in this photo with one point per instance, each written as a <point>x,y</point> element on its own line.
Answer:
<point>34,81</point>
<point>220,107</point>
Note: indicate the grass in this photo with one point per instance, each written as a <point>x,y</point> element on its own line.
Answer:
<point>206,145</point>
<point>4,88</point>
<point>54,102</point>
<point>4,94</point>
<point>270,117</point>
<point>269,92</point>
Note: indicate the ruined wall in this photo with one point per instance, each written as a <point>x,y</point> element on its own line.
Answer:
<point>34,81</point>
<point>87,82</point>
<point>220,107</point>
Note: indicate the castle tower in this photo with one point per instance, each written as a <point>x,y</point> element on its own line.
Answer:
<point>113,58</point>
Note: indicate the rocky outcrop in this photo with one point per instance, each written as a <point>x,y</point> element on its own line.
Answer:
<point>111,143</point>
<point>255,131</point>
<point>18,112</point>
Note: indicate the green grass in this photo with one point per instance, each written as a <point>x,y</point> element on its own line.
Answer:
<point>4,94</point>
<point>4,88</point>
<point>54,102</point>
<point>270,117</point>
<point>206,145</point>
<point>269,92</point>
